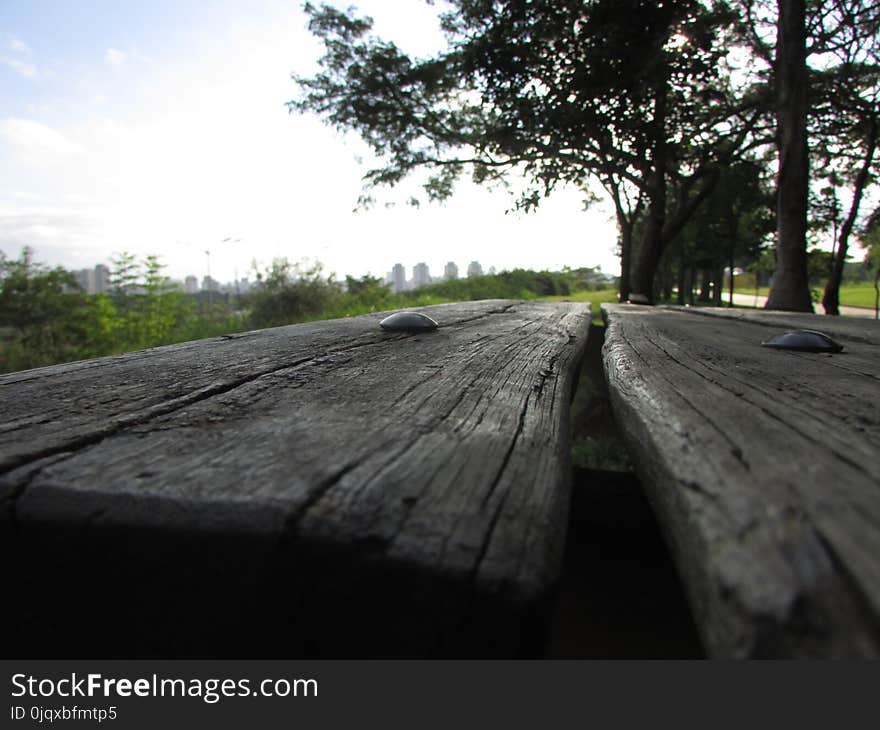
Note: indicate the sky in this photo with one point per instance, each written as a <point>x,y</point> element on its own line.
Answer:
<point>161,128</point>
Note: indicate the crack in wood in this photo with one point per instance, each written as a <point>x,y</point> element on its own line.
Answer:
<point>751,385</point>
<point>16,486</point>
<point>122,423</point>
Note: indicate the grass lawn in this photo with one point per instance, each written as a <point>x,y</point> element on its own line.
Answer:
<point>595,298</point>
<point>851,295</point>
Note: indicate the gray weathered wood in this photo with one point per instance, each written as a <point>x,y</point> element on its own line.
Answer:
<point>763,468</point>
<point>339,489</point>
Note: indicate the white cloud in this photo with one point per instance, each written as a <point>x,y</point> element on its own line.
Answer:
<point>207,151</point>
<point>27,70</point>
<point>26,196</point>
<point>53,231</point>
<point>21,67</point>
<point>19,46</point>
<point>35,139</point>
<point>114,56</point>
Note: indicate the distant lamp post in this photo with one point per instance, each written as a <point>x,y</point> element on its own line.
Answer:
<point>230,241</point>
<point>208,279</point>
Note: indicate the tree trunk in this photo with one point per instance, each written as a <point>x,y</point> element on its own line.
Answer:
<point>705,285</point>
<point>790,289</point>
<point>732,233</point>
<point>667,281</point>
<point>730,261</point>
<point>831,297</point>
<point>718,286</point>
<point>877,295</point>
<point>626,235</point>
<point>651,245</point>
<point>682,277</point>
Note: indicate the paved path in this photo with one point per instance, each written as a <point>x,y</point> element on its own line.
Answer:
<point>750,300</point>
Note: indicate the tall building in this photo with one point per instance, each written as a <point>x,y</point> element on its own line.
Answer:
<point>421,275</point>
<point>210,284</point>
<point>451,271</point>
<point>474,269</point>
<point>86,280</point>
<point>398,278</point>
<point>191,284</point>
<point>102,278</point>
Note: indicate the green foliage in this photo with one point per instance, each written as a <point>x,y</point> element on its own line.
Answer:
<point>287,293</point>
<point>602,452</point>
<point>632,95</point>
<point>516,284</point>
<point>44,319</point>
<point>41,314</point>
<point>729,230</point>
<point>146,310</point>
<point>101,326</point>
<point>871,241</point>
<point>368,290</point>
<point>764,264</point>
<point>818,264</point>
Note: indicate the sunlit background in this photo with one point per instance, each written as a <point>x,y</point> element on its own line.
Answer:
<point>161,127</point>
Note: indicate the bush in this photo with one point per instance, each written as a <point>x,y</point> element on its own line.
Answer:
<point>43,316</point>
<point>516,284</point>
<point>286,293</point>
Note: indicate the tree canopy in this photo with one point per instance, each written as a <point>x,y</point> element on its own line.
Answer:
<point>638,95</point>
<point>624,92</point>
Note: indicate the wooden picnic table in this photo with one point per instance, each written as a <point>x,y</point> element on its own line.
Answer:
<point>763,467</point>
<point>323,489</point>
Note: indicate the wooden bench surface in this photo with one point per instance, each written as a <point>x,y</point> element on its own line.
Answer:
<point>764,468</point>
<point>320,489</point>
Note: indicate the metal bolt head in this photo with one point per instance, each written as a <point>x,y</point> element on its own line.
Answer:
<point>408,322</point>
<point>805,341</point>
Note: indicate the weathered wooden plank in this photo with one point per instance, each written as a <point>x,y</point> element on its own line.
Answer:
<point>852,328</point>
<point>320,489</point>
<point>762,466</point>
<point>54,408</point>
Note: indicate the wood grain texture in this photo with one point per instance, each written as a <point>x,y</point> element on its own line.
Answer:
<point>763,468</point>
<point>326,489</point>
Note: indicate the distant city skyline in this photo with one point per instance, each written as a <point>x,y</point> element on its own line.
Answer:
<point>421,275</point>
<point>98,279</point>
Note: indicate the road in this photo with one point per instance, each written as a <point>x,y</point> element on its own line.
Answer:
<point>750,300</point>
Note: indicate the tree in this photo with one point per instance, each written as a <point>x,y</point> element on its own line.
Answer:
<point>45,318</point>
<point>43,310</point>
<point>159,306</point>
<point>813,50</point>
<point>626,92</point>
<point>146,308</point>
<point>287,293</point>
<point>871,241</point>
<point>846,118</point>
<point>729,229</point>
<point>790,288</point>
<point>369,290</point>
